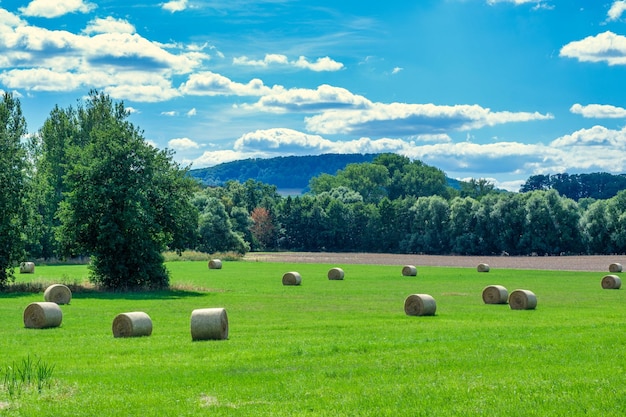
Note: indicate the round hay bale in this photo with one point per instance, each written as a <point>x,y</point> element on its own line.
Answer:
<point>27,268</point>
<point>209,324</point>
<point>292,278</point>
<point>134,324</point>
<point>495,294</point>
<point>615,267</point>
<point>522,300</point>
<point>409,271</point>
<point>215,264</point>
<point>420,305</point>
<point>335,274</point>
<point>611,282</point>
<point>42,315</point>
<point>58,293</point>
<point>482,268</point>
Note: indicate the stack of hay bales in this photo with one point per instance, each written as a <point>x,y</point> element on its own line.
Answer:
<point>420,305</point>
<point>409,271</point>
<point>58,293</point>
<point>495,294</point>
<point>27,268</point>
<point>215,264</point>
<point>292,278</point>
<point>335,274</point>
<point>42,315</point>
<point>611,282</point>
<point>209,324</point>
<point>522,300</point>
<point>133,324</point>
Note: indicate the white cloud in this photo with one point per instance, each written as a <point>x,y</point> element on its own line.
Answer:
<point>108,55</point>
<point>175,5</point>
<point>170,113</point>
<point>182,144</point>
<point>599,111</point>
<point>597,136</point>
<point>400,119</point>
<point>321,64</point>
<point>604,47</point>
<point>192,112</point>
<point>56,8</point>
<point>265,62</point>
<point>109,25</point>
<point>211,84</point>
<point>617,9</point>
<point>396,70</point>
<point>322,98</point>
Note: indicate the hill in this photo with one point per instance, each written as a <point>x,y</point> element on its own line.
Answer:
<point>290,174</point>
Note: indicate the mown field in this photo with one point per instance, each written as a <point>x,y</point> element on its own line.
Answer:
<point>326,348</point>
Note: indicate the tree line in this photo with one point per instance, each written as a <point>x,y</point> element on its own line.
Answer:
<point>88,184</point>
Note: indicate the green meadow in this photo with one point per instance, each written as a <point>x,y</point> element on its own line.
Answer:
<point>325,348</point>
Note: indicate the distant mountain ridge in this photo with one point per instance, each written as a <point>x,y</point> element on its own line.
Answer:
<point>285,172</point>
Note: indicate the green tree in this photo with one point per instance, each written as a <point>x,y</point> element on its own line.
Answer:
<point>127,201</point>
<point>215,229</point>
<point>49,149</point>
<point>13,186</point>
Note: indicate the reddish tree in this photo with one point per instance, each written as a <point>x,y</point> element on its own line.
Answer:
<point>263,228</point>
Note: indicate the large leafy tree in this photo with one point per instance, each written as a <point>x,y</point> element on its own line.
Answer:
<point>13,185</point>
<point>127,201</point>
<point>49,150</point>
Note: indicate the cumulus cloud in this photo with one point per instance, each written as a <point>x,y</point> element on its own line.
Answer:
<point>396,70</point>
<point>109,25</point>
<point>175,5</point>
<point>616,10</point>
<point>182,144</point>
<point>400,119</point>
<point>321,64</point>
<point>322,98</point>
<point>211,84</point>
<point>597,136</point>
<point>599,111</point>
<point>604,47</point>
<point>192,112</point>
<point>107,55</point>
<point>51,9</point>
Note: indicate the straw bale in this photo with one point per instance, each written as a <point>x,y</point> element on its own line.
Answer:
<point>215,264</point>
<point>420,305</point>
<point>611,282</point>
<point>209,324</point>
<point>292,278</point>
<point>133,324</point>
<point>58,293</point>
<point>335,274</point>
<point>615,267</point>
<point>495,294</point>
<point>482,268</point>
<point>42,315</point>
<point>522,300</point>
<point>409,271</point>
<point>27,268</point>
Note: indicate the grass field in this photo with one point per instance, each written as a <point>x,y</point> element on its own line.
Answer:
<point>327,348</point>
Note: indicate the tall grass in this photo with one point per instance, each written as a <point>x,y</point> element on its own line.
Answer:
<point>330,348</point>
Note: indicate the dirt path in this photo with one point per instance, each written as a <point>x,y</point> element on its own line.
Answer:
<point>566,263</point>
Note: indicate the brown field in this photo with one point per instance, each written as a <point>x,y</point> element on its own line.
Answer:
<point>563,263</point>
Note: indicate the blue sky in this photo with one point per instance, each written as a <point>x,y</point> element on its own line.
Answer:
<point>496,89</point>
